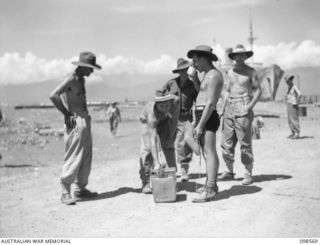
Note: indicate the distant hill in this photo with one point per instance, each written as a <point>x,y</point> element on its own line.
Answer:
<point>121,87</point>
<point>134,87</point>
<point>116,87</point>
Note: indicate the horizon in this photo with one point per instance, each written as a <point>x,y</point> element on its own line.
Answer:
<point>121,87</point>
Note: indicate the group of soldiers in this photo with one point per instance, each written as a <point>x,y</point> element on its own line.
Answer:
<point>165,119</point>
<point>199,85</point>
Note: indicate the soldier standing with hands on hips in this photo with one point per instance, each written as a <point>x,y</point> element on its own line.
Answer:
<point>70,99</point>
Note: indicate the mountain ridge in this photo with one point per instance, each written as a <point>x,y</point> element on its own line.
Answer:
<point>134,87</point>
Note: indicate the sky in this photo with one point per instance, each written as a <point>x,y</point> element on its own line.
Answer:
<point>40,38</point>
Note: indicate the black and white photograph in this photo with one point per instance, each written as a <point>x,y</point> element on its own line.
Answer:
<point>159,119</point>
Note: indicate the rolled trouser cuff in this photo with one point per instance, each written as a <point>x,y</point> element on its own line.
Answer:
<point>184,167</point>
<point>65,187</point>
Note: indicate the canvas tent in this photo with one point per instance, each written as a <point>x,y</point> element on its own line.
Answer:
<point>269,78</point>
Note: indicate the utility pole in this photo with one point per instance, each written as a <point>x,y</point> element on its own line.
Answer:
<point>214,47</point>
<point>214,44</point>
<point>251,38</point>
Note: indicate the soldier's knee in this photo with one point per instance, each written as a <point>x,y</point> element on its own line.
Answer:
<point>227,151</point>
<point>246,157</point>
<point>228,157</point>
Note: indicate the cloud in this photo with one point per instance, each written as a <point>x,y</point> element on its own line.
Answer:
<point>120,64</point>
<point>289,55</point>
<point>19,69</point>
<point>286,55</point>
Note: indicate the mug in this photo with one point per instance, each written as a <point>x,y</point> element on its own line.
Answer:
<point>191,71</point>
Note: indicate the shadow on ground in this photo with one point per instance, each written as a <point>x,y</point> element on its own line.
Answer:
<point>237,190</point>
<point>257,178</point>
<point>305,137</point>
<point>188,186</point>
<point>125,190</point>
<point>111,194</point>
<point>181,198</point>
<point>266,177</point>
<point>233,191</point>
<point>193,186</point>
<point>196,176</point>
<point>18,166</point>
<point>270,177</point>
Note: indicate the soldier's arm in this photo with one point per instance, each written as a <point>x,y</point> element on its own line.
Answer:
<point>257,90</point>
<point>225,95</point>
<point>173,89</point>
<point>195,80</point>
<point>298,94</point>
<point>154,144</point>
<point>119,115</point>
<point>56,99</point>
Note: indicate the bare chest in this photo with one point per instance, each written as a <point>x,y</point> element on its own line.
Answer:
<point>240,80</point>
<point>77,90</point>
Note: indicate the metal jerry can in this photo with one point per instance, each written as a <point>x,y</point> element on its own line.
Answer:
<point>164,185</point>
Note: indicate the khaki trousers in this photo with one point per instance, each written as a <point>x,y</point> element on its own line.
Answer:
<point>293,118</point>
<point>183,151</point>
<point>78,155</point>
<point>237,128</point>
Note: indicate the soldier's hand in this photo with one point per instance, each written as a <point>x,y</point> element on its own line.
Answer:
<point>249,108</point>
<point>157,167</point>
<point>192,72</point>
<point>197,132</point>
<point>69,121</point>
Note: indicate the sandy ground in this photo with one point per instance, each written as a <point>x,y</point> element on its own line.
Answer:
<point>283,202</point>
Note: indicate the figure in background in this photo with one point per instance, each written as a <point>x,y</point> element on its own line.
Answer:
<point>114,117</point>
<point>293,97</point>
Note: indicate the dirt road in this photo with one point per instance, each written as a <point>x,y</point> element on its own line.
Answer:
<point>284,200</point>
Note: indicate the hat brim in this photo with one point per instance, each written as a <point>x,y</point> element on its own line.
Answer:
<point>184,67</point>
<point>247,53</point>
<point>289,78</point>
<point>97,67</point>
<point>167,97</point>
<point>209,54</point>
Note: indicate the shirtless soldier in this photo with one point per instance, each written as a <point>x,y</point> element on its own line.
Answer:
<point>242,93</point>
<point>70,98</point>
<point>207,118</point>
